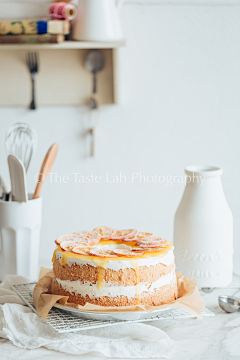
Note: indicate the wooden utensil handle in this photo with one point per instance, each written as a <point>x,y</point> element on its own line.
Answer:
<point>45,169</point>
<point>38,190</point>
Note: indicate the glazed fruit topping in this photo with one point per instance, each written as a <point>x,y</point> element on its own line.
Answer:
<point>105,232</point>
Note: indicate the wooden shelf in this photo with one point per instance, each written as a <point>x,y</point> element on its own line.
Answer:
<point>62,78</point>
<point>66,45</point>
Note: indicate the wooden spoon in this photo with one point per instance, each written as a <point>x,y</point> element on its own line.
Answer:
<point>45,169</point>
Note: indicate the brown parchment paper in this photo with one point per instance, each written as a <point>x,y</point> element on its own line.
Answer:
<point>189,298</point>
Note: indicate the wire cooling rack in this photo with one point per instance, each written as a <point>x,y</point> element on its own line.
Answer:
<point>62,321</point>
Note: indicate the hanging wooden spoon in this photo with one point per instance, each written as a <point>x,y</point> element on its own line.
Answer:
<point>45,169</point>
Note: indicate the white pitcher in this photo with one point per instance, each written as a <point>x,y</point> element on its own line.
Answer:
<point>98,20</point>
<point>203,229</point>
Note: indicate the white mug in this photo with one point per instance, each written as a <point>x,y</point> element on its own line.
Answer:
<point>20,225</point>
<point>98,20</point>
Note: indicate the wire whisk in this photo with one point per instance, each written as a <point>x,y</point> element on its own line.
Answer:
<point>21,141</point>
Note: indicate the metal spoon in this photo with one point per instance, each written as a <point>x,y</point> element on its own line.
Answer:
<point>229,303</point>
<point>94,62</point>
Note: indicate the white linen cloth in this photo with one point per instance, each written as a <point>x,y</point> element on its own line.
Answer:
<point>27,330</point>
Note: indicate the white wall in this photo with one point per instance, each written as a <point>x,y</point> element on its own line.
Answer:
<point>180,86</point>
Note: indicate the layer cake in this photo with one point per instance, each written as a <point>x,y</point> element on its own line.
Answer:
<point>121,269</point>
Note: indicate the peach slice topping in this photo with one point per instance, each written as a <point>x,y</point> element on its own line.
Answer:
<point>92,236</point>
<point>105,232</point>
<point>69,245</point>
<point>127,253</point>
<point>124,234</point>
<point>80,250</point>
<point>102,253</point>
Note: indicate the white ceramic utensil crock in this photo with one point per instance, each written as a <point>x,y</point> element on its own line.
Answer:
<point>20,225</point>
<point>98,20</point>
<point>203,229</point>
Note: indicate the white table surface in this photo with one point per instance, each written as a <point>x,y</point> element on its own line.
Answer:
<point>208,339</point>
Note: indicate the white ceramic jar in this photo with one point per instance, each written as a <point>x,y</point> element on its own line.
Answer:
<point>20,226</point>
<point>203,229</point>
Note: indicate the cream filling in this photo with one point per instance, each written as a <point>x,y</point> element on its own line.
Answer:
<point>112,290</point>
<point>167,260</point>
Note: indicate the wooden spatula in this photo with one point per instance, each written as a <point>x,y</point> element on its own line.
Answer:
<point>45,169</point>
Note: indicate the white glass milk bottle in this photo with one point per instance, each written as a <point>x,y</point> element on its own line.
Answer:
<point>203,229</point>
